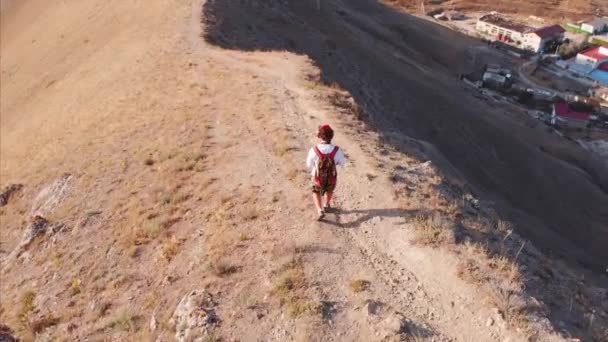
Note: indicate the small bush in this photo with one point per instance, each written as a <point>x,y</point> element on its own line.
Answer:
<point>153,230</point>
<point>102,309</point>
<point>170,249</point>
<point>39,325</point>
<point>359,285</point>
<point>75,287</point>
<point>125,321</point>
<point>433,231</point>
<point>222,268</point>
<point>297,308</point>
<point>56,261</point>
<point>27,305</point>
<point>288,283</point>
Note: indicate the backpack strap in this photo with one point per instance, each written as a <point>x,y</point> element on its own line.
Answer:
<point>318,152</point>
<point>333,152</point>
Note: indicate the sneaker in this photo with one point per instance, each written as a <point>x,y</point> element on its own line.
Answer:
<point>327,208</point>
<point>321,215</point>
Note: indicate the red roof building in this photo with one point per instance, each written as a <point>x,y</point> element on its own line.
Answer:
<point>549,31</point>
<point>597,53</point>
<point>563,111</point>
<point>593,57</point>
<point>538,39</point>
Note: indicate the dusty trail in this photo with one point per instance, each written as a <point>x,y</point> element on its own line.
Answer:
<point>370,235</point>
<point>402,71</point>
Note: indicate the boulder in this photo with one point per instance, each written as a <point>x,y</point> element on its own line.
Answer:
<point>5,196</point>
<point>194,316</point>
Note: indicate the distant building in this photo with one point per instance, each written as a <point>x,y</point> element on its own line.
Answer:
<point>538,39</point>
<point>597,25</point>
<point>502,29</point>
<point>594,57</point>
<point>599,39</point>
<point>564,114</point>
<point>519,35</point>
<point>600,93</point>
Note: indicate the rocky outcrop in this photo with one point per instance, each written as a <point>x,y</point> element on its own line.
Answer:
<point>51,195</point>
<point>194,316</point>
<point>6,334</point>
<point>5,196</point>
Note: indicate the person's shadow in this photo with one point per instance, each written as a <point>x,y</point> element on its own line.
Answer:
<point>364,215</point>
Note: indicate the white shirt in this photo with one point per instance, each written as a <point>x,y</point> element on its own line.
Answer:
<point>311,160</point>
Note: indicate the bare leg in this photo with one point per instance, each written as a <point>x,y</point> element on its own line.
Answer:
<point>316,197</point>
<point>328,196</point>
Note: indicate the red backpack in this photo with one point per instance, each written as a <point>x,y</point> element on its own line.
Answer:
<point>326,172</point>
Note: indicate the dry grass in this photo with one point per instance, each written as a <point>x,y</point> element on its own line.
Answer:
<point>222,268</point>
<point>293,174</point>
<point>433,231</point>
<point>102,308</point>
<point>149,231</point>
<point>26,305</point>
<point>125,321</point>
<point>296,308</point>
<point>39,325</point>
<point>288,282</point>
<point>506,267</point>
<point>212,338</point>
<point>151,300</point>
<point>289,286</point>
<point>250,213</point>
<point>511,306</point>
<point>281,150</point>
<point>133,251</point>
<point>359,285</point>
<point>170,249</point>
<point>75,287</point>
<point>55,260</point>
<point>243,237</point>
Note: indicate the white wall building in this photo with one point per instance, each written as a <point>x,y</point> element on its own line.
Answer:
<point>538,39</point>
<point>593,57</point>
<point>597,25</point>
<point>519,35</point>
<point>499,28</point>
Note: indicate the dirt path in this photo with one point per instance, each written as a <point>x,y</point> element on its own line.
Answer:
<point>369,238</point>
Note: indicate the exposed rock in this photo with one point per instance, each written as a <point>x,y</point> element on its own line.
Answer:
<point>5,196</point>
<point>153,323</point>
<point>51,195</point>
<point>394,324</point>
<point>194,316</point>
<point>373,307</point>
<point>36,227</point>
<point>6,334</point>
<point>489,322</point>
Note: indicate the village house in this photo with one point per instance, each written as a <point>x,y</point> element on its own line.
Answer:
<point>502,29</point>
<point>564,114</point>
<point>539,39</point>
<point>598,25</point>
<point>519,35</point>
<point>594,57</point>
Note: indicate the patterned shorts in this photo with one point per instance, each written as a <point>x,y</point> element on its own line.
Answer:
<point>317,189</point>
